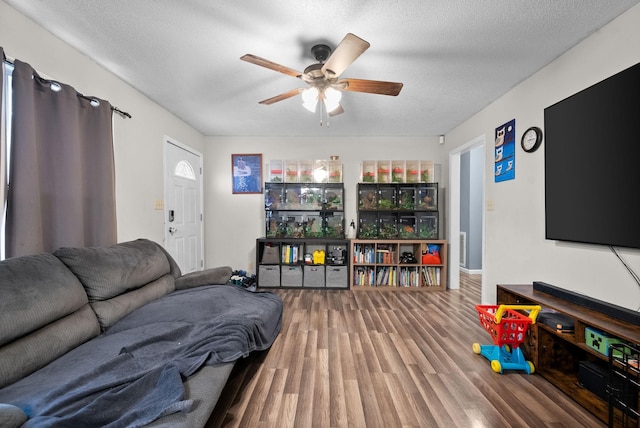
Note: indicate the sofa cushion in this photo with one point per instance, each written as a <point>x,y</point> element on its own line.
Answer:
<point>111,310</point>
<point>175,269</point>
<point>45,313</point>
<point>120,278</point>
<point>35,291</point>
<point>218,275</point>
<point>37,349</point>
<point>106,272</point>
<point>12,416</point>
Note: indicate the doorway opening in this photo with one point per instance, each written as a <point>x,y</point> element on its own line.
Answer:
<point>466,219</point>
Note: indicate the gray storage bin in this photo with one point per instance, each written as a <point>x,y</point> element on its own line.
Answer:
<point>269,276</point>
<point>337,277</point>
<point>313,276</point>
<point>291,276</point>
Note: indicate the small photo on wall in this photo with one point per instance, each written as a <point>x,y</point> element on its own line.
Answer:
<point>246,173</point>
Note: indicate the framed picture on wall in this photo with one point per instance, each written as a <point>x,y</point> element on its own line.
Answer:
<point>246,171</point>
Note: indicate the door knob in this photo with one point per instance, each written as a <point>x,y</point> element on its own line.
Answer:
<point>172,230</point>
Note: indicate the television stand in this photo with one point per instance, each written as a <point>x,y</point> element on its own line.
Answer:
<point>566,359</point>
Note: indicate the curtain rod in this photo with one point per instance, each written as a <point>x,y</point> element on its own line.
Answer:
<point>113,108</point>
<point>120,112</point>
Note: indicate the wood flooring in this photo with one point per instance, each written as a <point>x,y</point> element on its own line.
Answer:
<point>386,359</point>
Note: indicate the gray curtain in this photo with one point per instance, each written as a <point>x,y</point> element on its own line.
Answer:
<point>3,184</point>
<point>62,179</point>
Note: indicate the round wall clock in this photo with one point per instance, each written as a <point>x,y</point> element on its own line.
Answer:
<point>531,139</point>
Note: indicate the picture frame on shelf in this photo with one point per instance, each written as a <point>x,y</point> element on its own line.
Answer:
<point>246,173</point>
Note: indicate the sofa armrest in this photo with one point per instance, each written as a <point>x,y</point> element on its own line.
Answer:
<point>218,275</point>
<point>11,416</point>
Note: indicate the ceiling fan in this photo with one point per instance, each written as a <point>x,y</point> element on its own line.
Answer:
<point>323,78</point>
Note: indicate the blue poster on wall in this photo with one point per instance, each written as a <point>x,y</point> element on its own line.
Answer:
<point>505,152</point>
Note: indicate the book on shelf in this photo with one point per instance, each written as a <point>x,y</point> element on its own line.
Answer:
<point>363,276</point>
<point>385,256</point>
<point>408,277</point>
<point>386,253</point>
<point>363,253</point>
<point>290,253</point>
<point>386,276</point>
<point>431,276</point>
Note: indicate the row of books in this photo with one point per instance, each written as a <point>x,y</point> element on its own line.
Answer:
<point>385,256</point>
<point>364,253</point>
<point>290,254</point>
<point>367,253</point>
<point>392,276</point>
<point>384,276</point>
<point>431,276</point>
<point>409,277</point>
<point>364,276</point>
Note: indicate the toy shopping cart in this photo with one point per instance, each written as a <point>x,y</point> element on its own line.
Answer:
<point>508,329</point>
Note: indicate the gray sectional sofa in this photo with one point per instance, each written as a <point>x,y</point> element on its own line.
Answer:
<point>117,336</point>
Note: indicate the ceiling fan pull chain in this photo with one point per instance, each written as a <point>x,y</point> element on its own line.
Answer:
<point>326,113</point>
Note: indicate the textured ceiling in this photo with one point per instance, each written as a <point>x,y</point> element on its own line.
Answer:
<point>454,57</point>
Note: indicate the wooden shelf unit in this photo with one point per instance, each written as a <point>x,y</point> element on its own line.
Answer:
<point>557,356</point>
<point>376,264</point>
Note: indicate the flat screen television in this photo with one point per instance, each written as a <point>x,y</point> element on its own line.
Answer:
<point>592,163</point>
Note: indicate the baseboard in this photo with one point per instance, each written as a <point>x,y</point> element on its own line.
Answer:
<point>471,271</point>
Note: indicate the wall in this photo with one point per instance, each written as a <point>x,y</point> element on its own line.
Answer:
<point>516,250</point>
<point>233,222</point>
<point>138,142</point>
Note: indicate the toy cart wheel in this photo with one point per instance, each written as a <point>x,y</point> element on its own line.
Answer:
<point>496,366</point>
<point>476,348</point>
<point>531,367</point>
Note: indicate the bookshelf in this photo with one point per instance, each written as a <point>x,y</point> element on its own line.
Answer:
<point>302,263</point>
<point>387,263</point>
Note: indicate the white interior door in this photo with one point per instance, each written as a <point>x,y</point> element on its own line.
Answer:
<point>183,206</point>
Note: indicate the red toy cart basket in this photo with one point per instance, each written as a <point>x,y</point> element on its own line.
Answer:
<point>508,329</point>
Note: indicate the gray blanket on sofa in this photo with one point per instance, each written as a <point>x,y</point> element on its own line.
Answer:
<point>132,374</point>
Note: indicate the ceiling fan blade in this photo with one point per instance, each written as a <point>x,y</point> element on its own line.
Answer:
<point>338,110</point>
<point>370,86</point>
<point>270,65</point>
<point>284,96</point>
<point>349,49</point>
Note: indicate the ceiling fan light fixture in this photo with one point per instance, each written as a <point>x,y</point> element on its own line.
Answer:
<point>322,77</point>
<point>332,99</point>
<point>310,98</point>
